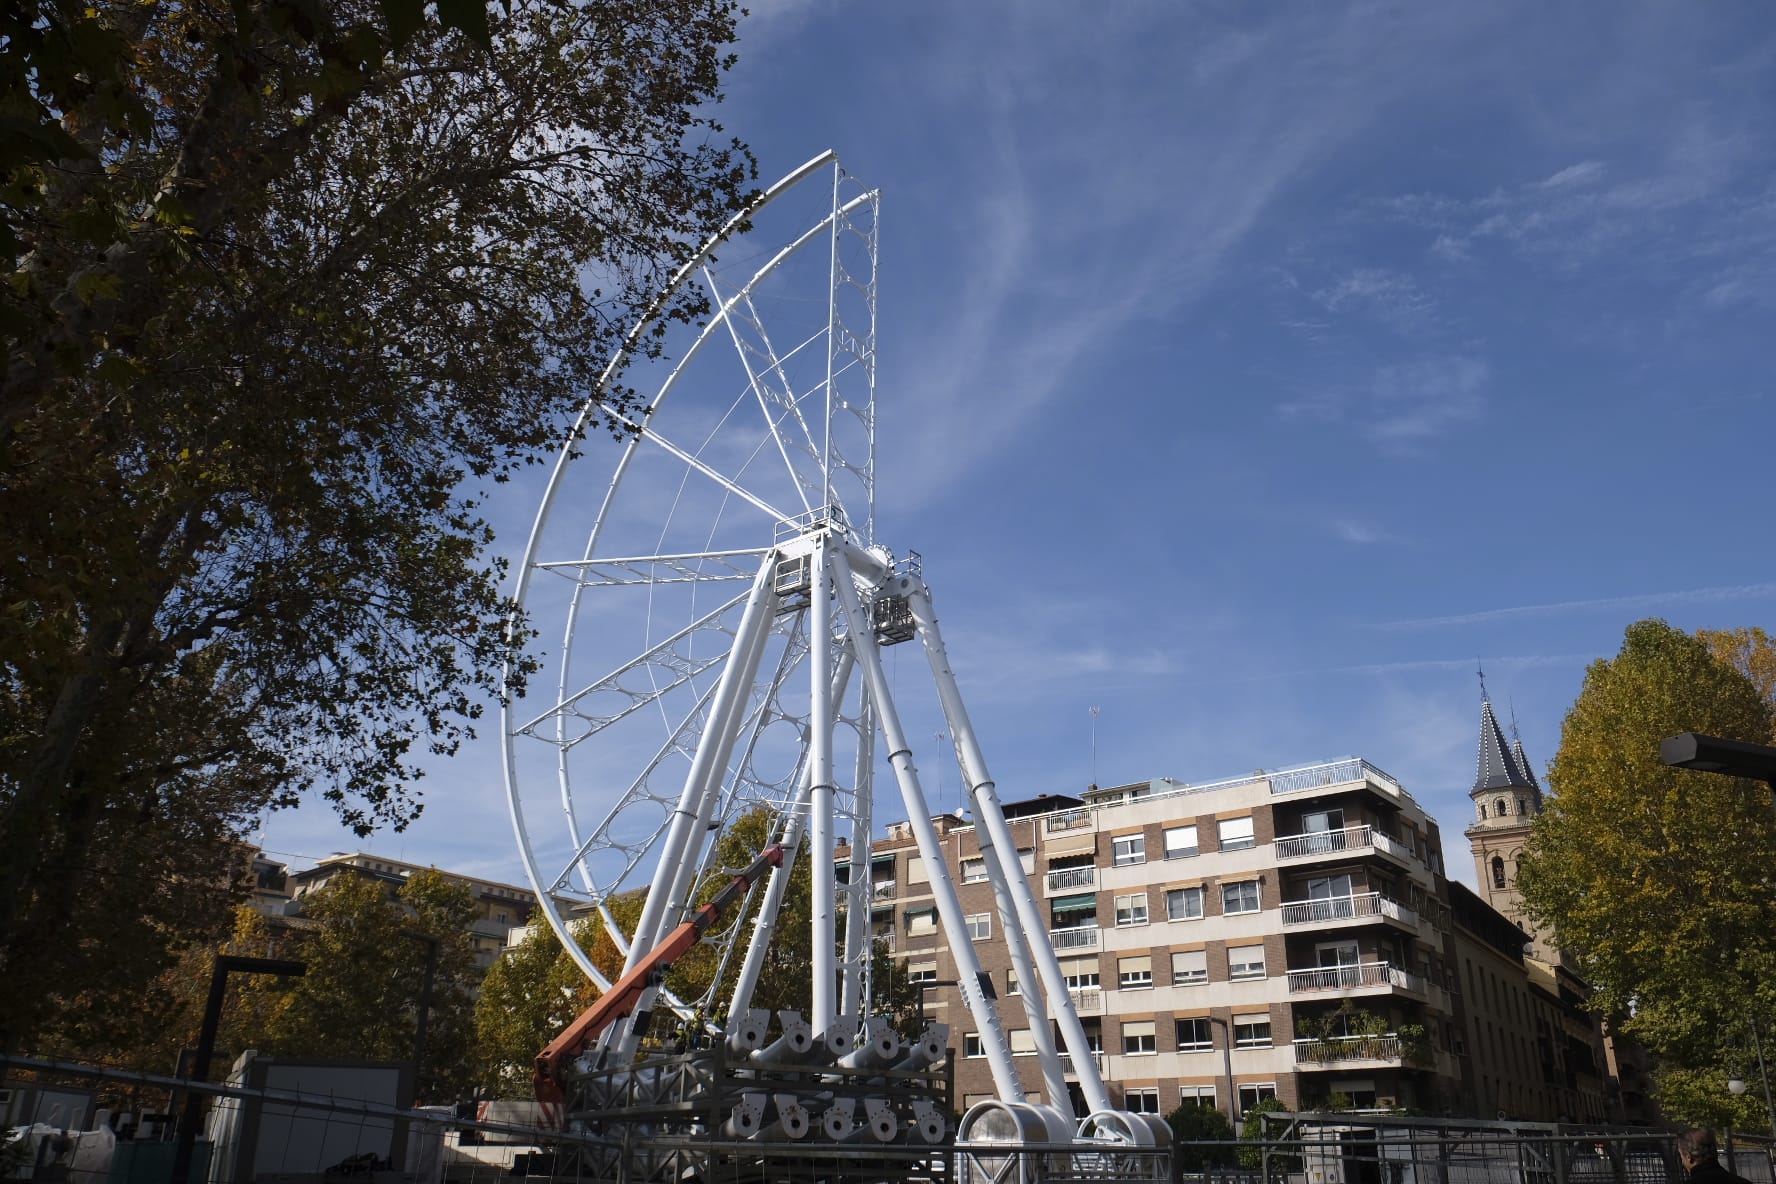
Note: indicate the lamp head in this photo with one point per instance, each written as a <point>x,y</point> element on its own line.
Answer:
<point>1735,1085</point>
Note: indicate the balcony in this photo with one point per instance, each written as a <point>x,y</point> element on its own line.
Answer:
<point>882,890</point>
<point>1321,844</point>
<point>1067,879</point>
<point>1087,1001</point>
<point>1067,820</point>
<point>1074,937</point>
<point>1341,1051</point>
<point>1067,1063</point>
<point>1358,907</point>
<point>1357,976</point>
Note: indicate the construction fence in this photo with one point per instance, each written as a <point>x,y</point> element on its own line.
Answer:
<point>342,1125</point>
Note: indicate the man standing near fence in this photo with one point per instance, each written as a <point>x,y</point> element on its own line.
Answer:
<point>1697,1151</point>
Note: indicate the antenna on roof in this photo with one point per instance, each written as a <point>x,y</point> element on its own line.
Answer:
<point>1094,714</point>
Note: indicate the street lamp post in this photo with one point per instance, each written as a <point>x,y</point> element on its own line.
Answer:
<point>1227,1065</point>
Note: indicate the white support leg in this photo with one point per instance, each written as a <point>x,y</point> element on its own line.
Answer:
<point>859,939</point>
<point>824,1012</point>
<point>680,853</point>
<point>795,829</point>
<point>949,907</point>
<point>1001,866</point>
<point>990,820</point>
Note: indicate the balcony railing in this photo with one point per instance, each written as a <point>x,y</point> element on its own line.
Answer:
<point>1070,1071</point>
<point>1062,879</point>
<point>1322,910</point>
<point>882,890</point>
<point>1067,820</point>
<point>1354,977</point>
<point>1348,1048</point>
<point>1087,1000</point>
<point>1075,937</point>
<point>1334,842</point>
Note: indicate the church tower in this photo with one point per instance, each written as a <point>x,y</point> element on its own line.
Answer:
<point>1506,799</point>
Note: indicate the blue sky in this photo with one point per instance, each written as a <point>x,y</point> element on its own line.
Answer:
<point>1249,372</point>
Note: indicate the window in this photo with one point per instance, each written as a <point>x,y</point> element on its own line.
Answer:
<point>980,926</point>
<point>1011,983</point>
<point>1498,872</point>
<point>1023,1042</point>
<point>1184,904</point>
<point>1180,842</point>
<point>1132,909</point>
<point>1138,1038</point>
<point>1141,1101</point>
<point>1197,1095</point>
<point>1127,849</point>
<point>1136,973</point>
<point>1251,1031</point>
<point>1235,833</point>
<point>1523,806</point>
<point>974,871</point>
<point>1081,973</point>
<point>1251,1095</point>
<point>1241,896</point>
<point>1498,808</point>
<point>1245,962</point>
<point>921,921</point>
<point>921,972</point>
<point>1195,1035</point>
<point>916,873</point>
<point>971,1045</point>
<point>1189,966</point>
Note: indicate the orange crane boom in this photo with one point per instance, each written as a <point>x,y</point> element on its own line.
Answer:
<point>623,995</point>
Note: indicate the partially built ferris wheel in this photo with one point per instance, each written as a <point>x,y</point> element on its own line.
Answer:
<point>715,604</point>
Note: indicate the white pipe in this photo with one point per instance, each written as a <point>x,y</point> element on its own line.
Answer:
<point>1002,866</point>
<point>991,820</point>
<point>949,907</point>
<point>765,924</point>
<point>858,980</point>
<point>823,1012</point>
<point>680,855</point>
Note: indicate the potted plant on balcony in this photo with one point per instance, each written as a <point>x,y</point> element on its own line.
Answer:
<point>1415,1044</point>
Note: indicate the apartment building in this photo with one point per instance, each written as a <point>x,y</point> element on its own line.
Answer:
<point>500,908</point>
<point>1284,935</point>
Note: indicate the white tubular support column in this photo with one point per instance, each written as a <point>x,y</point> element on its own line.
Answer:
<point>991,821</point>
<point>680,854</point>
<point>857,984</point>
<point>1001,866</point>
<point>795,828</point>
<point>824,1011</point>
<point>949,907</point>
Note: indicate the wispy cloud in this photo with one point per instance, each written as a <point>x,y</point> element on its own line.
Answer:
<point>1360,532</point>
<point>1639,601</point>
<point>1405,405</point>
<point>1439,665</point>
<point>1391,297</point>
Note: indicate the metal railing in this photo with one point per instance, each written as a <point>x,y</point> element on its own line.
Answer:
<point>1087,1000</point>
<point>1075,937</point>
<point>1067,820</point>
<point>883,890</point>
<point>1331,908</point>
<point>1061,879</point>
<point>1385,1047</point>
<point>1353,976</point>
<point>1333,842</point>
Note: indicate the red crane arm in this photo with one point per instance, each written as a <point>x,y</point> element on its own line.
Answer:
<point>623,995</point>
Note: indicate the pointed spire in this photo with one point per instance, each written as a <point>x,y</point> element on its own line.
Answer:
<point>1523,765</point>
<point>1497,767</point>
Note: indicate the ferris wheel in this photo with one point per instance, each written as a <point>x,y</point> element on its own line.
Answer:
<point>713,605</point>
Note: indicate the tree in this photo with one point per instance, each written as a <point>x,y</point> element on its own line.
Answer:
<point>1660,881</point>
<point>527,998</point>
<point>359,1001</point>
<point>1749,651</point>
<point>1253,1132</point>
<point>290,285</point>
<point>1202,1137</point>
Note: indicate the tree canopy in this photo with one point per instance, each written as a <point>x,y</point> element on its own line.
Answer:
<point>1661,881</point>
<point>290,284</point>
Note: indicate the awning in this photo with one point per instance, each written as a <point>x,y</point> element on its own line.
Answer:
<point>1081,843</point>
<point>1070,904</point>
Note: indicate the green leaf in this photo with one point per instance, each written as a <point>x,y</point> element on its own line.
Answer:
<point>403,18</point>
